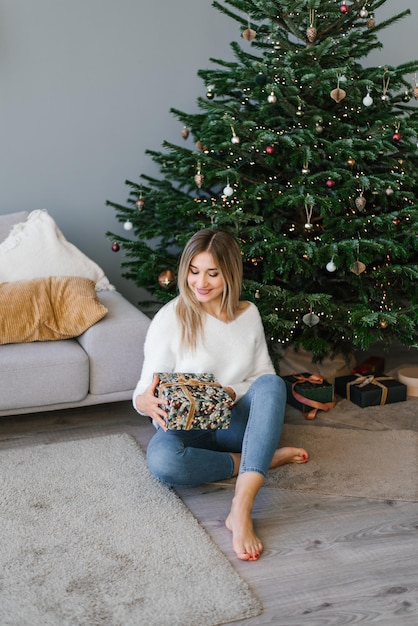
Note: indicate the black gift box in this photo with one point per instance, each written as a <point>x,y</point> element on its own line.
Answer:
<point>321,391</point>
<point>370,390</point>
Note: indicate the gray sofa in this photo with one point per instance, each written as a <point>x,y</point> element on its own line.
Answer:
<point>101,365</point>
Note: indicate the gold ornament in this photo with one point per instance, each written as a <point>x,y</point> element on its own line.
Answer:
<point>358,268</point>
<point>249,34</point>
<point>360,202</point>
<point>166,278</point>
<point>140,203</point>
<point>199,178</point>
<point>338,94</point>
<point>185,132</point>
<point>383,324</point>
<point>311,34</point>
<point>351,162</point>
<point>371,22</point>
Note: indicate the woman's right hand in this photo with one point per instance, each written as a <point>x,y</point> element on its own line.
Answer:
<point>149,404</point>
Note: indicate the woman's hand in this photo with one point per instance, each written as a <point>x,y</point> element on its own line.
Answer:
<point>149,404</point>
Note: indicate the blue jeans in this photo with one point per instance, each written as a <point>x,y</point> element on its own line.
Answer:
<point>185,458</point>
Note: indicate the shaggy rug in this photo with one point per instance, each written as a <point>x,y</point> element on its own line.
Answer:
<point>379,464</point>
<point>89,537</point>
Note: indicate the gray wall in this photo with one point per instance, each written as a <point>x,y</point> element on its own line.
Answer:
<point>85,89</point>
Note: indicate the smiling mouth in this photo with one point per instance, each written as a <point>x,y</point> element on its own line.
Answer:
<point>203,292</point>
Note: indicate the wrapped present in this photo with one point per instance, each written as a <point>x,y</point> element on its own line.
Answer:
<point>309,393</point>
<point>194,401</point>
<point>370,390</point>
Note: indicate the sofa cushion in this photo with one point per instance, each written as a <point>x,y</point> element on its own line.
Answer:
<point>9,220</point>
<point>45,309</point>
<point>38,374</point>
<point>37,248</point>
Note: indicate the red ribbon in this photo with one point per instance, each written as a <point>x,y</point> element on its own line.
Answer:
<point>316,379</point>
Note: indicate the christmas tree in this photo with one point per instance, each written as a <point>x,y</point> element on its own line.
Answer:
<point>310,159</point>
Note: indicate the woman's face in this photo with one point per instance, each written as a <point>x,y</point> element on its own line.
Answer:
<point>205,279</point>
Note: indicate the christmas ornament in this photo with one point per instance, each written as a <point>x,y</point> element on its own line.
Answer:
<point>210,93</point>
<point>115,246</point>
<point>272,98</point>
<point>371,22</point>
<point>344,7</point>
<point>257,294</point>
<point>260,79</point>
<point>310,319</point>
<point>364,13</point>
<point>199,178</point>
<point>234,139</point>
<point>407,96</point>
<point>228,191</point>
<point>140,203</point>
<point>200,146</point>
<point>330,183</point>
<point>351,162</point>
<point>386,81</point>
<point>338,94</point>
<point>269,149</point>
<point>389,191</point>
<point>166,278</point>
<point>185,132</point>
<point>357,268</point>
<point>383,324</point>
<point>299,111</point>
<point>318,127</point>
<point>396,135</point>
<point>128,225</point>
<point>368,100</point>
<point>249,34</point>
<point>305,169</point>
<point>415,91</point>
<point>311,32</point>
<point>331,267</point>
<point>309,204</point>
<point>360,202</point>
<point>396,221</point>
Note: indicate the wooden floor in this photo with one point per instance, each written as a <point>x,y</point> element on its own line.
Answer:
<point>327,560</point>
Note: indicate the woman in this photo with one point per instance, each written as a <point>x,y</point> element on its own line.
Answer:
<point>207,329</point>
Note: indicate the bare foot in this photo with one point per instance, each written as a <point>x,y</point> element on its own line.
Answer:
<point>288,455</point>
<point>245,543</point>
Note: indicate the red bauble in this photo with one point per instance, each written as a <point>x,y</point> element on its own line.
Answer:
<point>330,183</point>
<point>396,136</point>
<point>115,246</point>
<point>269,149</point>
<point>343,7</point>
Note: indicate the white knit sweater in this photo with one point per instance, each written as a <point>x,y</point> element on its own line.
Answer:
<point>235,352</point>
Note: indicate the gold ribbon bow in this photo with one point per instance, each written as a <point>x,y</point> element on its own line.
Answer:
<point>316,379</point>
<point>362,381</point>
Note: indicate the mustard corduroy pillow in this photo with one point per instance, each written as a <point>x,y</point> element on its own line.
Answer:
<point>47,309</point>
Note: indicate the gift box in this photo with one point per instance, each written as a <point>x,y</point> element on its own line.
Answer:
<point>309,393</point>
<point>370,390</point>
<point>194,401</point>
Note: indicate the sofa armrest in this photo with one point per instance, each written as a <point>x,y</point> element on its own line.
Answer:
<point>115,345</point>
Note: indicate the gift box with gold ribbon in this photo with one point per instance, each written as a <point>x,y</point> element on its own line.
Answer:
<point>370,390</point>
<point>309,393</point>
<point>194,401</point>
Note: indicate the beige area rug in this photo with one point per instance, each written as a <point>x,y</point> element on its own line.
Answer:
<point>379,464</point>
<point>88,537</point>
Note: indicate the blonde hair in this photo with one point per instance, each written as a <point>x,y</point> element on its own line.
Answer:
<point>227,256</point>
